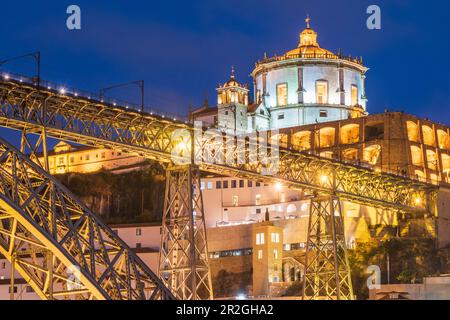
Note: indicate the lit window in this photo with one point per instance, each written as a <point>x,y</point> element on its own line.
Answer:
<point>259,238</point>
<point>235,201</point>
<point>61,160</point>
<point>202,185</point>
<point>322,92</point>
<point>138,231</point>
<point>260,254</point>
<point>103,155</point>
<point>258,199</point>
<point>87,157</point>
<point>354,95</point>
<point>275,237</point>
<point>209,185</point>
<point>72,159</point>
<point>323,113</point>
<point>275,253</point>
<point>282,94</point>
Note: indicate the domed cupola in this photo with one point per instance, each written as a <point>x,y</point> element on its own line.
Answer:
<point>308,45</point>
<point>307,85</point>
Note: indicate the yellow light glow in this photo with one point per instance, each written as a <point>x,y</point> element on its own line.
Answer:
<point>278,186</point>
<point>418,201</point>
<point>324,178</point>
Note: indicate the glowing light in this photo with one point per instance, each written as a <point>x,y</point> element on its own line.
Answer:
<point>324,178</point>
<point>240,296</point>
<point>418,201</point>
<point>6,76</point>
<point>114,104</point>
<point>76,94</point>
<point>278,186</point>
<point>62,91</point>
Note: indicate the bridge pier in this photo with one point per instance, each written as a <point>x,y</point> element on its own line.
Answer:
<point>327,272</point>
<point>183,263</point>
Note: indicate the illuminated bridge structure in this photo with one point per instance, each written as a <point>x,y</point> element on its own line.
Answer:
<point>50,112</point>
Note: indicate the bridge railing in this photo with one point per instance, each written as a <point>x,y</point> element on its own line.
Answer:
<point>66,90</point>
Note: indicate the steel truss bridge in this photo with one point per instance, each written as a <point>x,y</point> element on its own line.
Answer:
<point>49,219</point>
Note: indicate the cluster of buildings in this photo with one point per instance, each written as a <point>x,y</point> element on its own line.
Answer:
<point>312,100</point>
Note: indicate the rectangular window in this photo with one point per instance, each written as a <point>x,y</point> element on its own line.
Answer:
<point>282,94</point>
<point>275,253</point>
<point>209,185</point>
<point>249,184</point>
<point>259,238</point>
<point>60,160</point>
<point>323,113</point>
<point>241,183</point>
<point>258,184</point>
<point>258,211</point>
<point>355,101</point>
<point>261,112</point>
<point>3,265</point>
<point>103,155</point>
<point>280,116</point>
<point>202,185</point>
<point>225,184</point>
<point>138,245</point>
<point>322,92</point>
<point>72,159</point>
<point>138,231</point>
<point>87,157</point>
<point>218,184</point>
<point>235,201</point>
<point>275,237</point>
<point>260,254</point>
<point>29,289</point>
<point>226,113</point>
<point>14,289</point>
<point>258,199</point>
<point>233,183</point>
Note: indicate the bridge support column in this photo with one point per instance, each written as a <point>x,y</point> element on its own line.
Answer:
<point>183,263</point>
<point>327,272</point>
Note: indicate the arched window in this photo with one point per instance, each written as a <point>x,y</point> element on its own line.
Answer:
<point>301,140</point>
<point>321,92</point>
<point>413,131</point>
<point>350,133</point>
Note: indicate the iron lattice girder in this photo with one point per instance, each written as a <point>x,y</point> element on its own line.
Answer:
<point>44,227</point>
<point>327,271</point>
<point>183,262</point>
<point>89,122</point>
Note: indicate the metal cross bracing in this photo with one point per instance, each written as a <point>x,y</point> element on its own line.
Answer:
<point>58,245</point>
<point>184,256</point>
<point>327,272</point>
<point>89,122</point>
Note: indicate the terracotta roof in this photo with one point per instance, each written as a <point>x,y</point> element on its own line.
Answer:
<point>252,107</point>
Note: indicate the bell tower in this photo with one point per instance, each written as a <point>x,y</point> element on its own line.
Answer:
<point>232,104</point>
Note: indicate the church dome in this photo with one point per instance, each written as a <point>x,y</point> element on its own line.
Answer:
<point>308,46</point>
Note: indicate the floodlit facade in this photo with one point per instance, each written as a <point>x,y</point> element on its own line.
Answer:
<point>66,158</point>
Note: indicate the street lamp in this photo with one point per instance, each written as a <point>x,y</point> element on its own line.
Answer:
<point>139,83</point>
<point>37,59</point>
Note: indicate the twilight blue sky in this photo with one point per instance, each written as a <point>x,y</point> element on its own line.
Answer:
<point>183,49</point>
